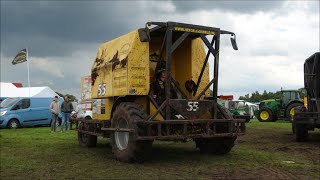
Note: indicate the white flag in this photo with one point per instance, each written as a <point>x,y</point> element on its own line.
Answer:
<point>20,57</point>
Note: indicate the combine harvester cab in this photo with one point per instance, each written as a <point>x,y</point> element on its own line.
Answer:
<point>308,117</point>
<point>134,107</point>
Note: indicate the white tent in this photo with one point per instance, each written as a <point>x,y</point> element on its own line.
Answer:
<point>10,90</point>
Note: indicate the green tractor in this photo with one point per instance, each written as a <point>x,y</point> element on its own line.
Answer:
<point>239,109</point>
<point>272,109</point>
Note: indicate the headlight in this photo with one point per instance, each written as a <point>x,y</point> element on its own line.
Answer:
<point>2,113</point>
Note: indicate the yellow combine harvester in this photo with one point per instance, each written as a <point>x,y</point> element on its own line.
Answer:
<point>153,84</point>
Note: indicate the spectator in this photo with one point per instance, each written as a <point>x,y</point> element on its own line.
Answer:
<point>66,109</point>
<point>54,108</point>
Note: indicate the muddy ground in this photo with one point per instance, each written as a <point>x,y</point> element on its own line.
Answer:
<point>267,151</point>
<point>277,138</point>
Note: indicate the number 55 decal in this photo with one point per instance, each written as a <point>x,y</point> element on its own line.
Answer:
<point>193,106</point>
<point>102,89</point>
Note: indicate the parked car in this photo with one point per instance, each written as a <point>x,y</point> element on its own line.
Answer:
<point>19,111</point>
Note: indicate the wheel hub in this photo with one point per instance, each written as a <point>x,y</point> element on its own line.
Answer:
<point>264,115</point>
<point>122,138</point>
<point>14,125</point>
<point>291,112</point>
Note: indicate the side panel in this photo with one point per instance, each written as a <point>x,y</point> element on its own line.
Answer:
<point>40,110</point>
<point>186,64</point>
<point>198,56</point>
<point>101,109</point>
<point>121,67</point>
<point>109,70</point>
<point>182,64</point>
<point>138,68</point>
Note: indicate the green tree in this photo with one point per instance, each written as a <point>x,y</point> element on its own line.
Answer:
<point>257,97</point>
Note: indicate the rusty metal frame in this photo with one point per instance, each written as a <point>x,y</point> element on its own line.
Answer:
<point>170,46</point>
<point>162,130</point>
<point>166,130</point>
<point>203,66</point>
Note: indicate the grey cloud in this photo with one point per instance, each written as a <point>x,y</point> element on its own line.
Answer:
<point>59,24</point>
<point>235,6</point>
<point>62,29</point>
<point>42,46</point>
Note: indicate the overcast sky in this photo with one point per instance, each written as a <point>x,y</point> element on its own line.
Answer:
<point>274,38</point>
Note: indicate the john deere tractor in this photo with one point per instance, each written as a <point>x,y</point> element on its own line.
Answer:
<point>272,109</point>
<point>153,84</point>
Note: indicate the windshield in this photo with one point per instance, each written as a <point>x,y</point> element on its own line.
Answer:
<point>8,102</point>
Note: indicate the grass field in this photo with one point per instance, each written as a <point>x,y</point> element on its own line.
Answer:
<point>267,151</point>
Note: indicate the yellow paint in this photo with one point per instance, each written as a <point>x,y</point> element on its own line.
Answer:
<point>194,30</point>
<point>292,112</point>
<point>264,115</point>
<point>153,110</point>
<point>134,71</point>
<point>198,56</point>
<point>305,102</point>
<point>107,109</point>
<point>129,77</point>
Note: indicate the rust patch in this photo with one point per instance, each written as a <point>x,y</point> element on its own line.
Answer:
<point>98,61</point>
<point>115,61</point>
<point>94,75</point>
<point>123,62</point>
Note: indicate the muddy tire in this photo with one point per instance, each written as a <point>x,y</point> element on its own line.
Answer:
<point>290,111</point>
<point>265,115</point>
<point>301,132</point>
<point>13,124</point>
<point>221,145</point>
<point>125,147</point>
<point>297,109</point>
<point>86,140</point>
<point>293,128</point>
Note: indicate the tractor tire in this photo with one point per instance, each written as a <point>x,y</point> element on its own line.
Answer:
<point>86,140</point>
<point>293,128</point>
<point>301,132</point>
<point>298,109</point>
<point>218,145</point>
<point>13,124</point>
<point>290,111</point>
<point>125,147</point>
<point>265,115</point>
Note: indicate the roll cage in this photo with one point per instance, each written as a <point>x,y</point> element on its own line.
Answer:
<point>174,34</point>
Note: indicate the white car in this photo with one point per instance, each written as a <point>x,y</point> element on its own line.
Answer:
<point>82,112</point>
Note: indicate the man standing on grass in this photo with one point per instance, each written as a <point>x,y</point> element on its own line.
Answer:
<point>54,108</point>
<point>66,109</point>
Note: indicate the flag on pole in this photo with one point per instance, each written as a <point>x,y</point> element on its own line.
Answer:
<point>20,57</point>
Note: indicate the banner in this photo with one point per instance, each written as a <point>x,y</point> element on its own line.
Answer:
<point>20,57</point>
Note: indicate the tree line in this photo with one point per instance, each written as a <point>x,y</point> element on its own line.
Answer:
<point>257,97</point>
